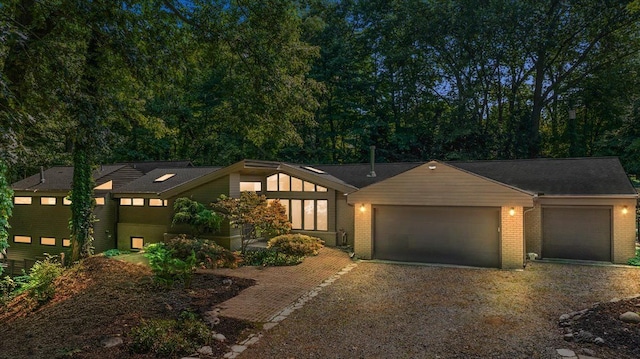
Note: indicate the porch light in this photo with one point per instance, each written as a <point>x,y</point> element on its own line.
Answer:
<point>512,211</point>
<point>362,208</point>
<point>625,210</point>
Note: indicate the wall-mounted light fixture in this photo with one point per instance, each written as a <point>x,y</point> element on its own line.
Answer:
<point>432,167</point>
<point>512,211</point>
<point>625,210</point>
<point>362,208</point>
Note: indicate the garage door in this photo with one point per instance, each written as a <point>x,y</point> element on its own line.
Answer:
<point>448,235</point>
<point>577,233</point>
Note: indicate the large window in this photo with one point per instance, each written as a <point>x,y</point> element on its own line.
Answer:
<point>250,186</point>
<point>308,214</point>
<point>281,182</point>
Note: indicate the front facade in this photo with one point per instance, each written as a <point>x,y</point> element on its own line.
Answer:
<point>482,213</point>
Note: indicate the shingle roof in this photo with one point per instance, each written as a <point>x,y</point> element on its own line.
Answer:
<point>356,174</point>
<point>566,176</point>
<point>146,184</point>
<point>59,178</point>
<point>148,166</point>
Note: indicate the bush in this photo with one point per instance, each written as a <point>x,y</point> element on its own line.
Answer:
<point>208,253</point>
<point>167,268</point>
<point>635,261</point>
<point>170,338</point>
<point>296,244</point>
<point>41,277</point>
<point>270,258</point>
<point>114,252</point>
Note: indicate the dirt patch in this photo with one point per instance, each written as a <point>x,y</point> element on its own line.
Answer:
<point>104,297</point>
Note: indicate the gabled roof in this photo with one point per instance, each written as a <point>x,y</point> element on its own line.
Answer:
<point>148,166</point>
<point>356,174</point>
<point>148,183</point>
<point>566,176</point>
<point>59,179</point>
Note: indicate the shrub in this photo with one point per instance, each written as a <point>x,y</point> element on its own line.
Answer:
<point>270,258</point>
<point>635,261</point>
<point>296,244</point>
<point>208,253</point>
<point>167,268</point>
<point>41,277</point>
<point>170,338</point>
<point>114,252</point>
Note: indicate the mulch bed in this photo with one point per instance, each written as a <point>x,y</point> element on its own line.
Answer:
<point>104,298</point>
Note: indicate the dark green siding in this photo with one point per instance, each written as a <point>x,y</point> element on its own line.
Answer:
<point>104,228</point>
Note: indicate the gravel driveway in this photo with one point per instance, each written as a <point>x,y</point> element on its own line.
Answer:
<point>401,311</point>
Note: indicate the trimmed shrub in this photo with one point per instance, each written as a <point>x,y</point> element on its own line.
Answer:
<point>170,338</point>
<point>208,253</point>
<point>296,244</point>
<point>270,258</point>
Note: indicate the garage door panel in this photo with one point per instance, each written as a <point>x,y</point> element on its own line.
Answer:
<point>448,235</point>
<point>577,233</point>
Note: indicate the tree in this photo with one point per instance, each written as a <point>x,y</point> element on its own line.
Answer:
<point>196,215</point>
<point>253,215</point>
<point>6,206</point>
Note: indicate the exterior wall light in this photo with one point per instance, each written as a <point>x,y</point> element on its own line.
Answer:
<point>432,167</point>
<point>362,208</point>
<point>625,210</point>
<point>512,211</point>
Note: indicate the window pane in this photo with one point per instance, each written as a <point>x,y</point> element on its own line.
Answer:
<point>296,214</point>
<point>47,241</point>
<point>272,183</point>
<point>137,201</point>
<point>105,186</point>
<point>22,239</point>
<point>322,218</point>
<point>285,204</point>
<point>321,189</point>
<point>137,242</point>
<point>99,201</point>
<point>22,200</point>
<point>157,202</point>
<point>48,201</point>
<point>66,242</point>
<point>164,177</point>
<point>66,201</point>
<point>296,184</point>
<point>309,187</point>
<point>283,183</point>
<point>250,186</point>
<point>309,214</point>
<point>125,201</point>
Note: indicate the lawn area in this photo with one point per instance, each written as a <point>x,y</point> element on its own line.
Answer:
<point>135,258</point>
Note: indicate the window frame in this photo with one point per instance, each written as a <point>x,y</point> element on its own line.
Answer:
<point>132,238</point>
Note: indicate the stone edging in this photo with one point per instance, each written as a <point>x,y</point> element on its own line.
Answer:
<point>283,314</point>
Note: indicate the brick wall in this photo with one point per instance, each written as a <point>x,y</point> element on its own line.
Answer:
<point>533,230</point>
<point>624,232</point>
<point>512,238</point>
<point>363,236</point>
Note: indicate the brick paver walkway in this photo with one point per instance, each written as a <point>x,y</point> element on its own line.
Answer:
<point>277,287</point>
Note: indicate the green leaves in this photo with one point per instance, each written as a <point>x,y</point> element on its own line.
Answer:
<point>6,207</point>
<point>196,215</point>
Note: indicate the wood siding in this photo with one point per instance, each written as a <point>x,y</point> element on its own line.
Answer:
<point>442,186</point>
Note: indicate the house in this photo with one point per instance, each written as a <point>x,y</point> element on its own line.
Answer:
<point>478,213</point>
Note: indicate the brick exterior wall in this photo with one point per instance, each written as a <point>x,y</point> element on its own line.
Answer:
<point>512,238</point>
<point>624,232</point>
<point>533,230</point>
<point>363,227</point>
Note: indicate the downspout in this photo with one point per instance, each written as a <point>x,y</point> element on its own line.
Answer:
<point>524,231</point>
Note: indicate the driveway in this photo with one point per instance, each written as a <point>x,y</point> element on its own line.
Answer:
<point>400,311</point>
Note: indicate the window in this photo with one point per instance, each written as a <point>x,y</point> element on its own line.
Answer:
<point>137,242</point>
<point>250,186</point>
<point>125,201</point>
<point>272,183</point>
<point>21,239</point>
<point>281,182</point>
<point>66,201</point>
<point>284,185</point>
<point>322,215</point>
<point>312,169</point>
<point>105,186</point>
<point>137,201</point>
<point>164,177</point>
<point>47,241</point>
<point>99,201</point>
<point>157,202</point>
<point>309,214</point>
<point>22,200</point>
<point>66,242</point>
<point>296,184</point>
<point>48,201</point>
<point>296,214</point>
<point>309,187</point>
<point>321,189</point>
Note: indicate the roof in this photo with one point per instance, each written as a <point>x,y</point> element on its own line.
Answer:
<point>148,166</point>
<point>356,174</point>
<point>565,176</point>
<point>147,184</point>
<point>59,178</point>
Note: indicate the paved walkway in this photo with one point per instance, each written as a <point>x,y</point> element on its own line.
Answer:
<point>278,287</point>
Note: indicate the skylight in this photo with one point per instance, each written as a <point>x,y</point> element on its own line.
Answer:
<point>309,168</point>
<point>164,177</point>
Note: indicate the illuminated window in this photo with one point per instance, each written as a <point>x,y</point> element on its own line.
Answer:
<point>48,201</point>
<point>283,182</point>
<point>272,183</point>
<point>21,239</point>
<point>66,201</point>
<point>137,201</point>
<point>99,201</point>
<point>22,200</point>
<point>250,186</point>
<point>157,202</point>
<point>105,186</point>
<point>309,187</point>
<point>321,215</point>
<point>66,242</point>
<point>309,214</point>
<point>296,184</point>
<point>296,214</point>
<point>164,177</point>
<point>137,242</point>
<point>47,241</point>
<point>125,201</point>
<point>314,170</point>
<point>321,189</point>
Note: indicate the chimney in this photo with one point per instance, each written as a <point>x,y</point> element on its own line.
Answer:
<point>372,149</point>
<point>41,174</point>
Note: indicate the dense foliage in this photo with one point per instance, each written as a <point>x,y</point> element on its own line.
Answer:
<point>6,206</point>
<point>207,253</point>
<point>167,267</point>
<point>194,214</point>
<point>270,258</point>
<point>170,338</point>
<point>296,244</point>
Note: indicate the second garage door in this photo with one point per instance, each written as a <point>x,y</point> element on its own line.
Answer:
<point>577,233</point>
<point>448,235</point>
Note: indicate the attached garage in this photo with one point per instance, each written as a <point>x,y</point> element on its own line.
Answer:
<point>577,233</point>
<point>448,235</point>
